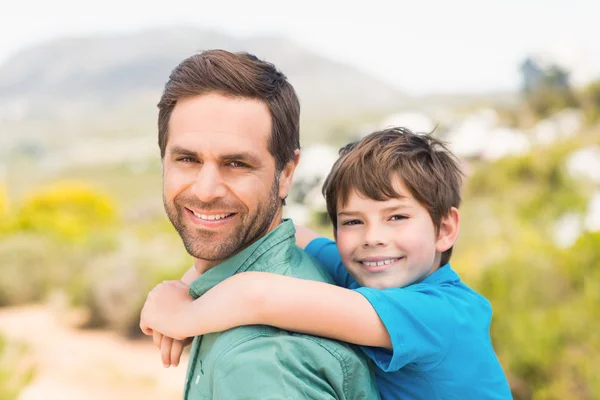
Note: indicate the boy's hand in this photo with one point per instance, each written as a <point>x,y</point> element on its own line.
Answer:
<point>166,309</point>
<point>170,349</point>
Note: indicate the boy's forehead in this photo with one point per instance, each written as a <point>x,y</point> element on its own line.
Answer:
<point>353,193</point>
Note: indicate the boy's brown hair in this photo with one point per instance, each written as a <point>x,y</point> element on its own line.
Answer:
<point>428,169</point>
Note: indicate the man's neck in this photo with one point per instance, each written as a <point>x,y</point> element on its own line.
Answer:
<point>204,265</point>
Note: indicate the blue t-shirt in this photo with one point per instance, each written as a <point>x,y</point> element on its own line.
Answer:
<point>439,329</point>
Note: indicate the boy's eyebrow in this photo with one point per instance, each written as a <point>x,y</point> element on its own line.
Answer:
<point>349,213</point>
<point>385,210</point>
<point>395,207</point>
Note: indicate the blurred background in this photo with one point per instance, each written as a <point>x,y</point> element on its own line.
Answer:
<point>513,86</point>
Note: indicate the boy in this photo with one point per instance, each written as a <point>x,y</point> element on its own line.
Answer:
<point>393,199</point>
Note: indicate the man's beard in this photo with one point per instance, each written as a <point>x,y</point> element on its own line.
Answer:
<point>206,244</point>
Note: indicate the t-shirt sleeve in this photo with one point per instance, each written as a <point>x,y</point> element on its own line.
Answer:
<point>326,252</point>
<point>420,324</point>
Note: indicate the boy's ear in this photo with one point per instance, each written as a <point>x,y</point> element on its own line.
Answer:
<point>334,233</point>
<point>448,232</point>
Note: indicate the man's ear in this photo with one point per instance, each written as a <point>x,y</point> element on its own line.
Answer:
<point>448,232</point>
<point>287,174</point>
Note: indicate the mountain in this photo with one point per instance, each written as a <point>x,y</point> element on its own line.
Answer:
<point>73,77</point>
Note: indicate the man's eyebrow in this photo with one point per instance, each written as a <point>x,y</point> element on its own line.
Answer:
<point>181,151</point>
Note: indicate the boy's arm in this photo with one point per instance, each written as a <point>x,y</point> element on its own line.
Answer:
<point>190,276</point>
<point>299,305</point>
<point>304,236</point>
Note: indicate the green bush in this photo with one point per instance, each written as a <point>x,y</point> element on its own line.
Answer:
<point>545,299</point>
<point>58,230</point>
<point>591,101</point>
<point>16,369</point>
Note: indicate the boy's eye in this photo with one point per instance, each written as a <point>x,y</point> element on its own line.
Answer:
<point>398,217</point>
<point>351,222</point>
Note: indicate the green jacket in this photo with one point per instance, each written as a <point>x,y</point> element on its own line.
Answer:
<point>264,363</point>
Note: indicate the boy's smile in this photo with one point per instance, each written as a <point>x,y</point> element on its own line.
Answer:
<point>379,264</point>
<point>391,243</point>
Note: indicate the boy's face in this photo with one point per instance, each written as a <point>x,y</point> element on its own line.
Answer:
<point>391,243</point>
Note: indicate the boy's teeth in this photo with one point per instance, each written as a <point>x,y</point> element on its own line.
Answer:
<point>211,217</point>
<point>379,263</point>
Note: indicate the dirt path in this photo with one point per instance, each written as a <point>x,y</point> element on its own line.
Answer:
<point>91,365</point>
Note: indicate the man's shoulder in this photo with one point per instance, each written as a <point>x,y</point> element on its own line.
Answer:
<point>283,343</point>
<point>291,261</point>
<point>304,359</point>
<point>274,363</point>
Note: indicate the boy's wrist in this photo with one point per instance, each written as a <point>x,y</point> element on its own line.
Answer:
<point>183,326</point>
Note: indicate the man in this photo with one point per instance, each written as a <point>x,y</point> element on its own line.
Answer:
<point>229,139</point>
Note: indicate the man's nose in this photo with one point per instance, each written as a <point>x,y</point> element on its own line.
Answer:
<point>209,184</point>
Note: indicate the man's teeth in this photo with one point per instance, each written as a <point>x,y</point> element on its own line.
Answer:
<point>379,263</point>
<point>213,217</point>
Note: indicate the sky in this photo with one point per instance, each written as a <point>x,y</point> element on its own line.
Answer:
<point>420,47</point>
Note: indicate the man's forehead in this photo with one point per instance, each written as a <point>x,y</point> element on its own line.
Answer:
<point>219,124</point>
<point>215,145</point>
<point>215,112</point>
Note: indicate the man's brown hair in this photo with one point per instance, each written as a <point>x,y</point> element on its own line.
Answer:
<point>427,168</point>
<point>236,75</point>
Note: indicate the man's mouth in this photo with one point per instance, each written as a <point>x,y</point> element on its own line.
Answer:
<point>212,217</point>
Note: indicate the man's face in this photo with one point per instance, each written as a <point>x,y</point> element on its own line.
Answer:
<point>220,188</point>
<point>385,244</point>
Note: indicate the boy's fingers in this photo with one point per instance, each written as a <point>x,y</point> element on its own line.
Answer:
<point>165,350</point>
<point>157,338</point>
<point>145,329</point>
<point>176,350</point>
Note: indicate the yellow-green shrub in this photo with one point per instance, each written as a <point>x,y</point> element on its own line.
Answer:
<point>72,211</point>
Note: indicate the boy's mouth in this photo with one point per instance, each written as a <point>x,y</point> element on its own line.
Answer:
<point>377,264</point>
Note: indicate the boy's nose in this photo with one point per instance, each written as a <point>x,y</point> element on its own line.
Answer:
<point>374,238</point>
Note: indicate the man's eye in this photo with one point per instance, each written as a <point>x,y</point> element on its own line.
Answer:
<point>238,164</point>
<point>186,159</point>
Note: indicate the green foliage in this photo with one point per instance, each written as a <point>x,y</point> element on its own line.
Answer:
<point>551,93</point>
<point>532,187</point>
<point>591,101</point>
<point>59,229</point>
<point>114,286</point>
<point>546,101</point>
<point>545,299</point>
<point>16,369</point>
